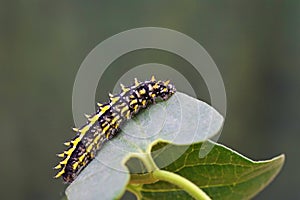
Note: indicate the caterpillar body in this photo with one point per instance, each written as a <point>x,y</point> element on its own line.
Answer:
<point>106,122</point>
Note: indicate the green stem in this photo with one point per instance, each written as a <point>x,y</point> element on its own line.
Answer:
<point>142,179</point>
<point>181,182</point>
<point>147,160</point>
<point>134,191</point>
<point>156,174</point>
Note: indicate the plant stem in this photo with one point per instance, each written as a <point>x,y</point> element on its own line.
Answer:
<point>156,174</point>
<point>147,160</point>
<point>181,182</point>
<point>142,179</point>
<point>133,190</point>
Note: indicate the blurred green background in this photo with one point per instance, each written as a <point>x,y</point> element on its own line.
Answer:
<point>255,44</point>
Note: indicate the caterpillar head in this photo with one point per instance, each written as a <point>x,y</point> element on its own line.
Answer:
<point>166,89</point>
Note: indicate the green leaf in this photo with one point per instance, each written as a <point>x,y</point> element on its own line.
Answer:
<point>222,174</point>
<point>181,120</point>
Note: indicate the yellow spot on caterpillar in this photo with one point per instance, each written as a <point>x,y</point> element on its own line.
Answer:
<point>115,119</point>
<point>57,166</point>
<point>136,82</point>
<point>99,104</point>
<point>85,129</point>
<point>153,95</point>
<point>122,86</point>
<point>114,99</point>
<point>89,148</point>
<point>59,173</point>
<point>122,105</point>
<point>67,144</point>
<point>75,142</point>
<point>124,110</point>
<point>104,123</point>
<point>136,108</point>
<point>167,82</point>
<point>94,118</point>
<point>75,165</point>
<point>92,155</point>
<point>117,125</point>
<point>127,115</point>
<point>106,128</point>
<point>68,153</point>
<point>144,102</point>
<point>156,86</point>
<point>134,101</point>
<point>98,145</point>
<point>104,109</point>
<point>82,157</point>
<point>137,94</point>
<point>97,139</point>
<point>142,91</point>
<point>124,89</point>
<point>75,129</point>
<point>61,155</point>
<point>153,78</point>
<point>65,160</point>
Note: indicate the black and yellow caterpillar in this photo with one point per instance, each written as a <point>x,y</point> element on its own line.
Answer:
<point>105,124</point>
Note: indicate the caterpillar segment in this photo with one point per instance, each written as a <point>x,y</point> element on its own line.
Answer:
<point>106,123</point>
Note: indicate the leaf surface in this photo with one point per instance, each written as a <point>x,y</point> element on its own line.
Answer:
<point>222,174</point>
<point>181,120</point>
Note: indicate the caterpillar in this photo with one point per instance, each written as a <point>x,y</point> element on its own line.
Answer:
<point>105,123</point>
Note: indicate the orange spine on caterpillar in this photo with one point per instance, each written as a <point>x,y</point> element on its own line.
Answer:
<point>106,122</point>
